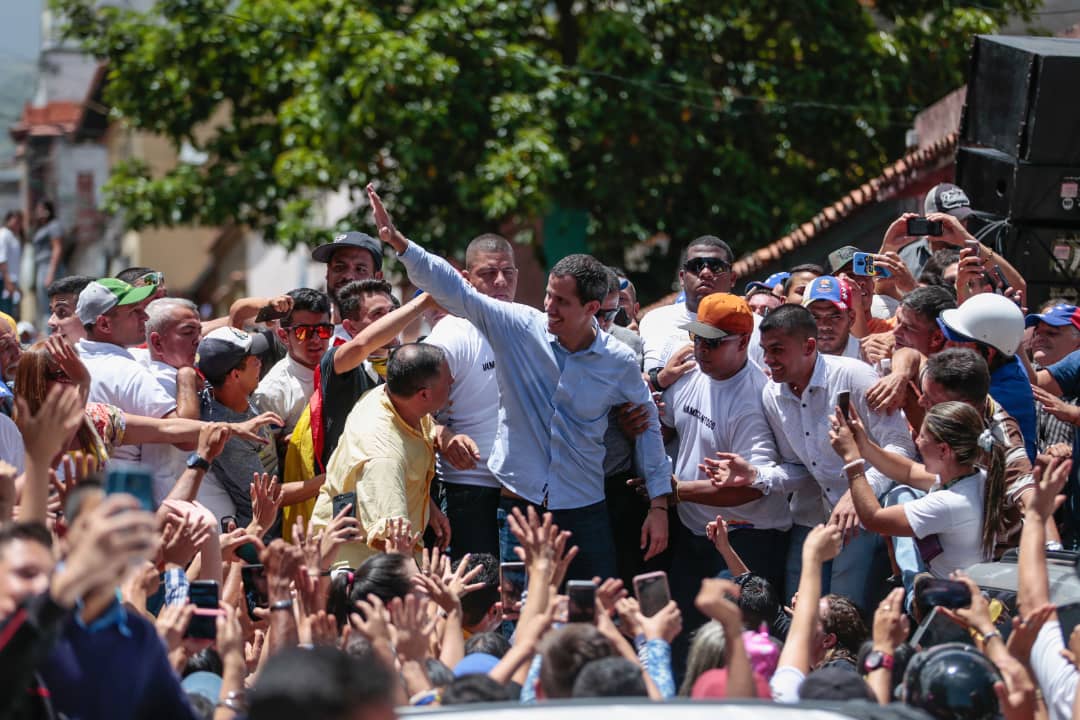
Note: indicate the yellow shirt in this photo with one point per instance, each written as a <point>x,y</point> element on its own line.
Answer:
<point>388,464</point>
<point>299,466</point>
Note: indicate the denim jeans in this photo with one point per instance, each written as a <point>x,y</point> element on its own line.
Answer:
<point>907,555</point>
<point>694,558</point>
<point>858,572</point>
<point>473,514</point>
<point>591,530</point>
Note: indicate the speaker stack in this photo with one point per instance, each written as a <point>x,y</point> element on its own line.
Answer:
<point>1019,156</point>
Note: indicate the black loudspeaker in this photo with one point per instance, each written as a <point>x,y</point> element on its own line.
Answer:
<point>1022,98</point>
<point>1047,257</point>
<point>1018,190</point>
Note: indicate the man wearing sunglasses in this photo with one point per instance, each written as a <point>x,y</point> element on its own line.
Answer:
<point>306,333</point>
<point>706,269</point>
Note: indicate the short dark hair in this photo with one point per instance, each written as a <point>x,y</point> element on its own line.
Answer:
<point>490,643</point>
<point>10,214</point>
<point>804,268</point>
<point>131,274</point>
<point>76,497</point>
<point>26,532</point>
<point>475,605</point>
<point>70,285</point>
<point>929,301</point>
<point>475,688</point>
<point>962,372</point>
<point>350,298</point>
<point>564,652</point>
<point>793,320</point>
<point>590,276</point>
<point>206,660</point>
<point>49,208</point>
<point>609,677</point>
<point>758,601</point>
<point>709,241</point>
<point>933,272</point>
<point>308,300</point>
<point>487,243</point>
<point>612,281</point>
<point>438,674</point>
<point>411,367</point>
<point>322,683</point>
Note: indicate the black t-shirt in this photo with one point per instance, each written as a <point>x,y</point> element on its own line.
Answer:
<point>339,395</point>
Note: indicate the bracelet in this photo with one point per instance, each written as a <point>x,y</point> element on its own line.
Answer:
<point>1054,545</point>
<point>990,636</point>
<point>676,492</point>
<point>235,700</point>
<point>282,605</point>
<point>657,507</point>
<point>857,462</point>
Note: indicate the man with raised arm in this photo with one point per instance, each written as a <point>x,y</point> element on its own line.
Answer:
<point>559,377</point>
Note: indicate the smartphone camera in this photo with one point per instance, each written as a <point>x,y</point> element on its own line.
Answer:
<point>920,226</point>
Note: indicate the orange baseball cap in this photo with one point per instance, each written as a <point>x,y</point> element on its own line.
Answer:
<point>720,315</point>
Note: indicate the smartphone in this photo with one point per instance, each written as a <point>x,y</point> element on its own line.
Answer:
<point>652,592</point>
<point>132,479</point>
<point>863,264</point>
<point>582,601</point>
<point>254,579</point>
<point>204,595</point>
<point>268,313</point>
<point>973,245</point>
<point>843,399</point>
<point>920,226</point>
<point>340,501</point>
<point>228,524</point>
<point>936,629</point>
<point>943,593</point>
<point>512,583</point>
<point>1003,282</point>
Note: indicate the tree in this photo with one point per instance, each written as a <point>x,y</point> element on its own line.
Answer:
<point>681,116</point>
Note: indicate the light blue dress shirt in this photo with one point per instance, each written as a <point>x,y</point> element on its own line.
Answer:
<point>554,404</point>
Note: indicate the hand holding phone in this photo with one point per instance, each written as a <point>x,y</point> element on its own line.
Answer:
<point>938,592</point>
<point>132,479</point>
<point>340,501</point>
<point>582,603</point>
<point>652,592</point>
<point>512,583</point>
<point>204,595</point>
<point>863,264</point>
<point>920,227</point>
<point>843,400</point>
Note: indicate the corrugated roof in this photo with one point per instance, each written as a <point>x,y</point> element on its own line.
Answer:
<point>891,181</point>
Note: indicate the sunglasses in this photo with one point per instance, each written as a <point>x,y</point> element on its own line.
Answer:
<point>152,278</point>
<point>606,316</point>
<point>303,332</point>
<point>715,265</point>
<point>710,343</point>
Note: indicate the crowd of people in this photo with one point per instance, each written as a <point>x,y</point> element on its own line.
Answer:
<point>330,504</point>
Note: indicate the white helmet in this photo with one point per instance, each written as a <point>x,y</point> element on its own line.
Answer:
<point>991,319</point>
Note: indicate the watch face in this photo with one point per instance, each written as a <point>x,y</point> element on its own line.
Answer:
<point>873,660</point>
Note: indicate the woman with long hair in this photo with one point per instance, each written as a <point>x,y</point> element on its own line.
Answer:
<point>957,522</point>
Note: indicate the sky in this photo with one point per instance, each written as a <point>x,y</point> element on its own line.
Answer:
<point>20,40</point>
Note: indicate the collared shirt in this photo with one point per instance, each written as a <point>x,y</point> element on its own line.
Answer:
<point>388,463</point>
<point>474,397</point>
<point>168,461</point>
<point>1018,477</point>
<point>556,401</point>
<point>114,616</point>
<point>853,348</point>
<point>726,416</point>
<point>117,378</point>
<point>285,390</point>
<point>801,428</point>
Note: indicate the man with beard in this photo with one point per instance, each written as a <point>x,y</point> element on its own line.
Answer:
<point>350,257</point>
<point>829,300</point>
<point>1055,332</point>
<point>706,269</point>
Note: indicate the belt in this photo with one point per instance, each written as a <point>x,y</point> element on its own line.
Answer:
<point>510,495</point>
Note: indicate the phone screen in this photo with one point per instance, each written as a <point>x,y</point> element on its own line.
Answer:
<point>132,479</point>
<point>512,581</point>
<point>843,399</point>
<point>340,501</point>
<point>204,595</point>
<point>254,578</point>
<point>943,593</point>
<point>1068,618</point>
<point>652,591</point>
<point>582,603</point>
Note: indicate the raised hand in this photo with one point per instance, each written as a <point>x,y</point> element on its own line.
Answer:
<point>728,470</point>
<point>388,233</point>
<point>1025,630</point>
<point>249,429</point>
<point>822,544</point>
<point>717,600</point>
<point>1051,474</point>
<point>681,362</point>
<point>172,624</point>
<point>212,439</point>
<point>717,533</point>
<point>344,528</point>
<point>400,538</point>
<point>49,431</point>
<point>266,496</point>
<point>69,363</point>
<point>1057,407</point>
<point>413,625</point>
<point>890,623</point>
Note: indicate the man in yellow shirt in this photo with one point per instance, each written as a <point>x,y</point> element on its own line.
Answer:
<point>386,455</point>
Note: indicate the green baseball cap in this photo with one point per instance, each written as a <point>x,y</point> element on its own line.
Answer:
<point>101,296</point>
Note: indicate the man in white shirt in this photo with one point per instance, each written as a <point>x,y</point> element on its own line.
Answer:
<point>114,316</point>
<point>706,269</point>
<point>288,386</point>
<point>717,407</point>
<point>798,404</point>
<point>467,425</point>
<point>10,257</point>
<point>173,329</point>
<point>828,299</point>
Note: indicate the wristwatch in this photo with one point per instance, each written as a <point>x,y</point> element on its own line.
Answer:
<point>876,660</point>
<point>654,378</point>
<point>195,461</point>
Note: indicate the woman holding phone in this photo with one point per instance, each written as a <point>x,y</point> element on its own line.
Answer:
<point>957,522</point>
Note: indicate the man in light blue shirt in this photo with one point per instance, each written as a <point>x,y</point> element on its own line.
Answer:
<point>559,377</point>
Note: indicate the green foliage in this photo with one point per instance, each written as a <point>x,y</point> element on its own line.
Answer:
<point>682,116</point>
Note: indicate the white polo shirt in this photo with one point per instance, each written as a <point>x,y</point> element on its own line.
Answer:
<point>285,390</point>
<point>117,378</point>
<point>727,416</point>
<point>474,397</point>
<point>948,524</point>
<point>801,429</point>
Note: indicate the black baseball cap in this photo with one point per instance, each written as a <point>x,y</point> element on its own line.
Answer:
<point>323,253</point>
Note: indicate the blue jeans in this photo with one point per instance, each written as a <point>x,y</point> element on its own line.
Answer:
<point>591,530</point>
<point>473,514</point>
<point>858,572</point>
<point>907,555</point>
